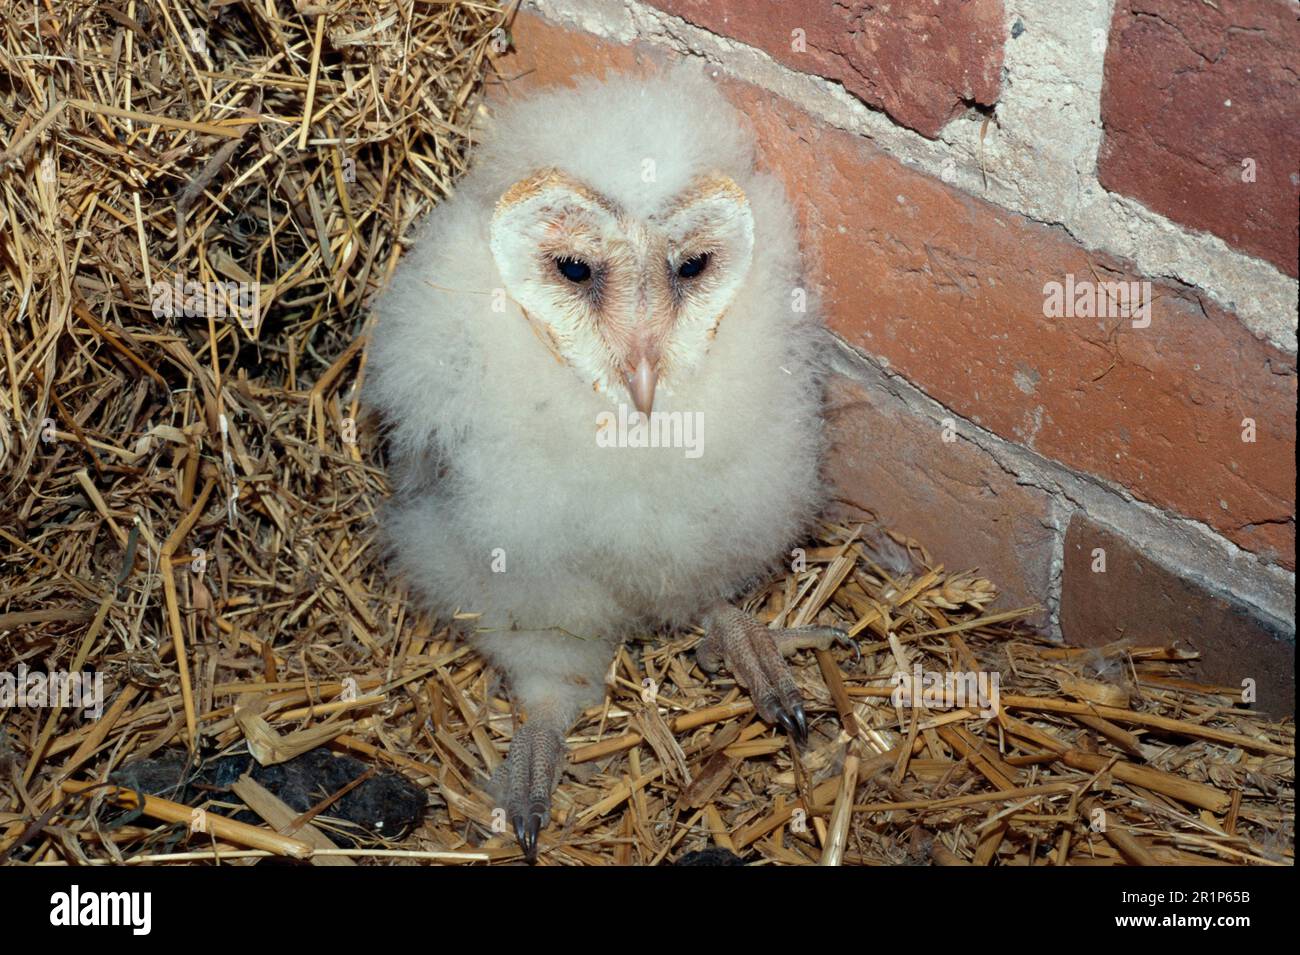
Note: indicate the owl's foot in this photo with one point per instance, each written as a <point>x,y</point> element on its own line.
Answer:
<point>530,774</point>
<point>755,656</point>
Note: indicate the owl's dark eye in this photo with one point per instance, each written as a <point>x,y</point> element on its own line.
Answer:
<point>574,270</point>
<point>693,267</point>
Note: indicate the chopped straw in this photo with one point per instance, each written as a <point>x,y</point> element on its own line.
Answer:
<point>188,507</point>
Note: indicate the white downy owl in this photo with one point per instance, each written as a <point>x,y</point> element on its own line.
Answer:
<point>612,253</point>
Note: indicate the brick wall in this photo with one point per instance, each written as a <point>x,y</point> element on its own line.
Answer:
<point>1057,244</point>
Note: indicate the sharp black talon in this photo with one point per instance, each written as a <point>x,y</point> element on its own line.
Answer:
<point>787,724</point>
<point>801,725</point>
<point>526,833</point>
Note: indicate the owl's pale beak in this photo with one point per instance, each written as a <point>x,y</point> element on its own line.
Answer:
<point>641,385</point>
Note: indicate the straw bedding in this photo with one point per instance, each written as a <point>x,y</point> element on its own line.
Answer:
<point>187,509</point>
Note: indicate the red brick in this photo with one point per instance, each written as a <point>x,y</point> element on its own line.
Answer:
<point>949,290</point>
<point>1139,600</point>
<point>921,61</point>
<point>1172,140</point>
<point>950,496</point>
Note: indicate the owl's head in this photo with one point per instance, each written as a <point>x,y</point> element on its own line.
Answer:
<point>627,234</point>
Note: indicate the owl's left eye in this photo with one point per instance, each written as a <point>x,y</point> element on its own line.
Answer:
<point>693,266</point>
<point>574,270</point>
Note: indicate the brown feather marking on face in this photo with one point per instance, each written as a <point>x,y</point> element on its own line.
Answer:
<point>572,233</point>
<point>713,331</point>
<point>709,184</point>
<point>549,178</point>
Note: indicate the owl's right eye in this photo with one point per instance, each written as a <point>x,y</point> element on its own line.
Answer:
<point>575,270</point>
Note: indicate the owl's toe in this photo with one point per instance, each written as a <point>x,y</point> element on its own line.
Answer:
<point>532,769</point>
<point>794,722</point>
<point>814,638</point>
<point>755,655</point>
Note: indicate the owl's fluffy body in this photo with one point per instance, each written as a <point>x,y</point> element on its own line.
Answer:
<point>493,441</point>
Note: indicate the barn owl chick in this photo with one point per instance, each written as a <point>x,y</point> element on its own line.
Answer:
<point>597,369</point>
